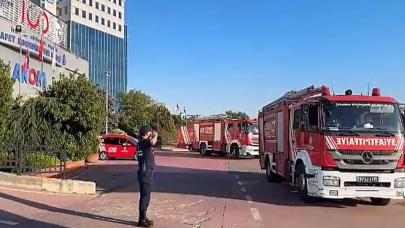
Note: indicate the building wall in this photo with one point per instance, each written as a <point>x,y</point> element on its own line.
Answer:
<point>98,34</point>
<point>65,62</point>
<point>104,52</point>
<point>105,15</point>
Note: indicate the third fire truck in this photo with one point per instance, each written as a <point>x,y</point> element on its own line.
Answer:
<point>220,134</point>
<point>334,146</point>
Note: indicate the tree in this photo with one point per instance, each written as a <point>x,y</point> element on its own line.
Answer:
<point>6,92</point>
<point>138,109</point>
<point>77,111</point>
<point>237,115</point>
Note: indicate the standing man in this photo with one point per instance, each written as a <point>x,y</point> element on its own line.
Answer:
<point>146,162</point>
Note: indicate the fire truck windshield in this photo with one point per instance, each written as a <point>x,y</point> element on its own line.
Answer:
<point>357,116</point>
<point>252,128</point>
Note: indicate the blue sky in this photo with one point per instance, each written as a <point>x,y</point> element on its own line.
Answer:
<point>215,55</point>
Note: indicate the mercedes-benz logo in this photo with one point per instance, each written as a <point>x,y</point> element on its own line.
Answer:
<point>367,157</point>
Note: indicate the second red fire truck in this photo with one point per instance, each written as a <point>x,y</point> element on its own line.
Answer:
<point>334,146</point>
<point>220,134</point>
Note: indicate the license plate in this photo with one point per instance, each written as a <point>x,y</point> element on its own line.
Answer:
<point>367,179</point>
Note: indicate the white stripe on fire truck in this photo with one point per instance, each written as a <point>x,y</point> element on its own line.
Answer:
<point>331,143</point>
<point>397,145</point>
<point>400,144</point>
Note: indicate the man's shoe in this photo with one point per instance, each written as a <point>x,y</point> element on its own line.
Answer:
<point>144,223</point>
<point>149,221</point>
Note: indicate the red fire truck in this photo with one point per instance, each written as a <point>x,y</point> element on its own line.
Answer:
<point>221,135</point>
<point>334,146</point>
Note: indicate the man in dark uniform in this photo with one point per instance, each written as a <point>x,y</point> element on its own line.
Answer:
<point>146,162</point>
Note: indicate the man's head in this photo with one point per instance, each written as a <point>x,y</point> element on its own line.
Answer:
<point>145,131</point>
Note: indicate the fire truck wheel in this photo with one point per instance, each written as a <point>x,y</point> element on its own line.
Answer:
<point>203,150</point>
<point>103,156</point>
<point>235,151</point>
<point>271,177</point>
<point>380,201</point>
<point>302,183</point>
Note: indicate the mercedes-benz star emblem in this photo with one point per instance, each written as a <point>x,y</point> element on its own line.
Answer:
<point>367,157</point>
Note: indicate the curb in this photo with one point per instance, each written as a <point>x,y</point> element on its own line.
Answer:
<point>47,184</point>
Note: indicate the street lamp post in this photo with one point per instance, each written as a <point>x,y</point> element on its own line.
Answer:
<point>18,29</point>
<point>107,74</point>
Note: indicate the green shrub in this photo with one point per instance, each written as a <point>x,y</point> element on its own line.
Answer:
<point>40,160</point>
<point>5,156</point>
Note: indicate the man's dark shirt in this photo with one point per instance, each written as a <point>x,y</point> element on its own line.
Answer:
<point>146,160</point>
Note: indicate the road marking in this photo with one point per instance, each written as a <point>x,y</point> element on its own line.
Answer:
<point>240,183</point>
<point>256,214</point>
<point>10,223</point>
<point>236,176</point>
<point>243,189</point>
<point>249,199</point>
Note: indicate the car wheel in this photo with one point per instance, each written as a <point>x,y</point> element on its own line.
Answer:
<point>103,156</point>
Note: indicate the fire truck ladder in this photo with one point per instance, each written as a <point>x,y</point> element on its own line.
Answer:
<point>294,95</point>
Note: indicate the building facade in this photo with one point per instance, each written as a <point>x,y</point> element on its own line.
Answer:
<point>97,33</point>
<point>21,50</point>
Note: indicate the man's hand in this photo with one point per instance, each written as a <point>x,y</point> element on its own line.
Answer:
<point>153,139</point>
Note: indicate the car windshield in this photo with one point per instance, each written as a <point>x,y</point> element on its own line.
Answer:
<point>356,116</point>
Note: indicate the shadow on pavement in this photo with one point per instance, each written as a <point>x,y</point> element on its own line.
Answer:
<point>7,217</point>
<point>122,178</point>
<point>62,211</point>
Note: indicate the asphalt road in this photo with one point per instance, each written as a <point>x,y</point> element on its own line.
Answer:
<point>190,191</point>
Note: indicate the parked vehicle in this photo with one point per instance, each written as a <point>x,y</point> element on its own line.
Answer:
<point>219,134</point>
<point>117,146</point>
<point>330,146</point>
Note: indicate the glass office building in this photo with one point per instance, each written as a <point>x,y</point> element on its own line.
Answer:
<point>105,53</point>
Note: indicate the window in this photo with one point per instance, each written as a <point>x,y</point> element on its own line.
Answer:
<point>112,141</point>
<point>115,1</point>
<point>77,11</point>
<point>84,1</point>
<point>297,119</point>
<point>120,1</point>
<point>90,16</point>
<point>84,14</point>
<point>114,13</point>
<point>119,28</point>
<point>108,23</point>
<point>312,117</point>
<point>102,21</point>
<point>109,10</point>
<point>96,19</point>
<point>119,15</point>
<point>103,7</point>
<point>91,2</point>
<point>97,5</point>
<point>114,26</point>
<point>66,10</point>
<point>59,11</point>
<point>230,127</point>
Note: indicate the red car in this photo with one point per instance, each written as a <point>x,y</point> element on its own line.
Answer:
<point>117,146</point>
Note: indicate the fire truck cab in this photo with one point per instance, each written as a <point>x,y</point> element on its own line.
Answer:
<point>219,134</point>
<point>329,146</point>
